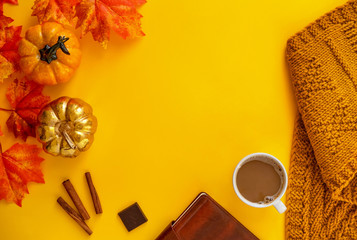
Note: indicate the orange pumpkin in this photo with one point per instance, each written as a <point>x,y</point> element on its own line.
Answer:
<point>49,53</point>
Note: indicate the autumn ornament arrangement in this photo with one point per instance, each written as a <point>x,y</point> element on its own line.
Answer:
<point>49,54</point>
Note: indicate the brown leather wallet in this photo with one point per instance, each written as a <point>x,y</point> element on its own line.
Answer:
<point>205,219</point>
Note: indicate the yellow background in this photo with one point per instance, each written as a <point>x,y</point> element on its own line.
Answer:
<point>177,110</point>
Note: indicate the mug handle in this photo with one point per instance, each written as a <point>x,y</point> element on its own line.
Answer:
<point>279,205</point>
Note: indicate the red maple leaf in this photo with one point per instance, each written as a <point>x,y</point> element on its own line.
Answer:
<point>61,11</point>
<point>100,16</point>
<point>1,134</point>
<point>4,21</point>
<point>19,165</point>
<point>14,2</point>
<point>27,100</point>
<point>9,57</point>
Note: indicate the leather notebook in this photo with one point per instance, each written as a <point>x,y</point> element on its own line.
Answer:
<point>205,219</point>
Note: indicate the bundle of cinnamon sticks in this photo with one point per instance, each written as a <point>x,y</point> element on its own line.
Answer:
<point>82,213</point>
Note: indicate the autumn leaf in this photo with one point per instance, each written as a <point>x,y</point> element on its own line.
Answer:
<point>9,57</point>
<point>2,17</point>
<point>61,11</point>
<point>14,2</point>
<point>100,16</point>
<point>1,134</point>
<point>9,40</point>
<point>19,165</point>
<point>4,21</point>
<point>27,100</point>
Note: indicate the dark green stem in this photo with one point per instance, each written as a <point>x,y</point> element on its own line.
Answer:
<point>49,53</point>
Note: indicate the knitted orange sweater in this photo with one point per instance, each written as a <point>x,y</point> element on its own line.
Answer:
<point>322,193</point>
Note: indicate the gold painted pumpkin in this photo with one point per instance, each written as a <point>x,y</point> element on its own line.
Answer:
<point>66,127</point>
<point>49,53</point>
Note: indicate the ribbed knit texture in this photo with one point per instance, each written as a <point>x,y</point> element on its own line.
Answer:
<point>322,192</point>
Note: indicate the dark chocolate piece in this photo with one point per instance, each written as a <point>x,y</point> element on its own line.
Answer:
<point>132,217</point>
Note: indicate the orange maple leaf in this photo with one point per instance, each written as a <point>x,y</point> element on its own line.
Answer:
<point>19,165</point>
<point>9,57</point>
<point>27,100</point>
<point>61,11</point>
<point>100,16</point>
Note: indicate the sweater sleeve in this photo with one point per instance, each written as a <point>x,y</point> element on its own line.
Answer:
<point>322,61</point>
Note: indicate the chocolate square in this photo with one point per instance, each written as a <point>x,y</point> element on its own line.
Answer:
<point>132,217</point>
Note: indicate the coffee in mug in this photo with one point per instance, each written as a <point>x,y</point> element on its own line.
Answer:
<point>260,180</point>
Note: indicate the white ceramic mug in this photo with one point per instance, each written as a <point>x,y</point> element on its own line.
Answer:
<point>264,157</point>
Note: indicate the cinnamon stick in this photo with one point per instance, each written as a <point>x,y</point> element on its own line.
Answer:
<point>94,194</point>
<point>76,200</point>
<point>71,212</point>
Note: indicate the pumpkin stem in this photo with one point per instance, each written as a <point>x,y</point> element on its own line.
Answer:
<point>69,139</point>
<point>49,53</point>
